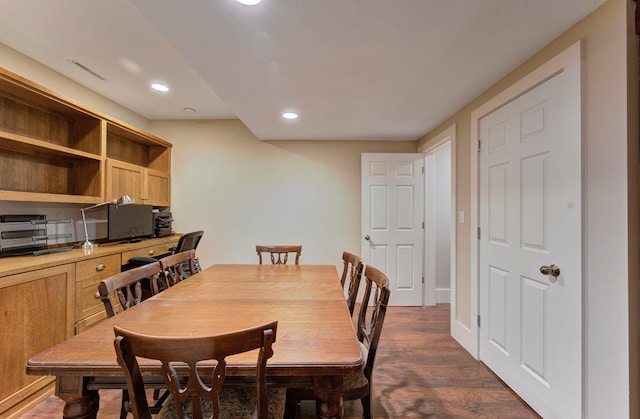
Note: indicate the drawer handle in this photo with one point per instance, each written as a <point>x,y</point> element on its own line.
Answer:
<point>100,267</point>
<point>151,252</point>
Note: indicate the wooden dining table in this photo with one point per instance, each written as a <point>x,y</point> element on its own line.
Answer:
<point>315,338</point>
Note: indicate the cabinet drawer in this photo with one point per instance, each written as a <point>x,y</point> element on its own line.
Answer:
<point>89,273</point>
<point>152,251</point>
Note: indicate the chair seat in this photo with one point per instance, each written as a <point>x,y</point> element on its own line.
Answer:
<point>357,380</point>
<point>354,381</point>
<point>236,403</point>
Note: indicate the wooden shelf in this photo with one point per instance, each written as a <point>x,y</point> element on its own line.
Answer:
<point>133,146</point>
<point>54,150</point>
<point>6,195</point>
<point>71,129</point>
<point>26,145</point>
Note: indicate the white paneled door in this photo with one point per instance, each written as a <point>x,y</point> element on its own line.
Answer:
<point>530,245</point>
<point>392,221</point>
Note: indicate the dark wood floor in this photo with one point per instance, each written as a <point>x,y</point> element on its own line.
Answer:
<point>421,372</point>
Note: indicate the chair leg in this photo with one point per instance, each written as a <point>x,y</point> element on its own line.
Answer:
<point>125,400</point>
<point>366,406</point>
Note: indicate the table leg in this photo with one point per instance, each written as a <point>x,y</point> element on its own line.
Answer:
<point>328,392</point>
<point>80,403</point>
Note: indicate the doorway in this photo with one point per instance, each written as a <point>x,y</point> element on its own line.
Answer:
<point>440,217</point>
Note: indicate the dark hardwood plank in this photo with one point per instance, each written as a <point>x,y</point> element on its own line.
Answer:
<point>422,372</point>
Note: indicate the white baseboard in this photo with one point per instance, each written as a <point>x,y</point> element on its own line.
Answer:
<point>443,295</point>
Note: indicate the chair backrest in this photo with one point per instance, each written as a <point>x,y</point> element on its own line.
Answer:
<point>279,253</point>
<point>177,267</point>
<point>369,329</point>
<point>353,270</point>
<point>176,351</point>
<point>127,286</point>
<point>189,241</point>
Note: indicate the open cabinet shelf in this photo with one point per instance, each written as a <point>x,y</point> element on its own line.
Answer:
<point>54,150</point>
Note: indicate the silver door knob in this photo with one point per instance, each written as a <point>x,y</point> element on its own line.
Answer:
<point>367,237</point>
<point>553,270</point>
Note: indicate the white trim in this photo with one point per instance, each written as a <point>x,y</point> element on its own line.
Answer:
<point>443,295</point>
<point>429,260</point>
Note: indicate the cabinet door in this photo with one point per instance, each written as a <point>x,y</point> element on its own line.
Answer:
<point>158,188</point>
<point>146,186</point>
<point>37,313</point>
<point>125,179</point>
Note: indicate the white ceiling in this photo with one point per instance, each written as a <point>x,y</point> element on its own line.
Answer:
<point>353,69</point>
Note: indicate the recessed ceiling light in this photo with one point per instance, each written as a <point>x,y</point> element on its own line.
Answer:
<point>160,87</point>
<point>249,2</point>
<point>290,115</point>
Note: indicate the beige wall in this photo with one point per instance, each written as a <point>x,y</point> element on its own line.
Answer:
<point>609,257</point>
<point>242,191</point>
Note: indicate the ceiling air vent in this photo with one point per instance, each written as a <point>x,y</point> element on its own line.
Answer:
<point>88,70</point>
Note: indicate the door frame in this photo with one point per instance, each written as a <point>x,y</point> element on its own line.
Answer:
<point>429,296</point>
<point>469,337</point>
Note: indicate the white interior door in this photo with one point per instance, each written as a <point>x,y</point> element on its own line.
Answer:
<point>530,220</point>
<point>393,220</point>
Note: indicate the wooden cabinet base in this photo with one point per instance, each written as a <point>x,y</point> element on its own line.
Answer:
<point>36,315</point>
<point>45,300</point>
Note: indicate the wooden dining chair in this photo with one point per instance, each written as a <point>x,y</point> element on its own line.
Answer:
<point>279,253</point>
<point>177,267</point>
<point>353,270</point>
<point>199,392</point>
<point>357,386</point>
<point>127,286</point>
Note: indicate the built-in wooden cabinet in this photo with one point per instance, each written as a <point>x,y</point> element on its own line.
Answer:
<point>54,150</point>
<point>45,300</point>
<point>50,150</point>
<point>138,165</point>
<point>37,313</point>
